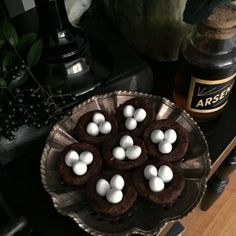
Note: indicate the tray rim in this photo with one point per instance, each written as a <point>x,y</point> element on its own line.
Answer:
<point>133,230</point>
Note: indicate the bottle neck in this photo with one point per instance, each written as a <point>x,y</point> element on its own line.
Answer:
<point>60,38</point>
<point>214,41</point>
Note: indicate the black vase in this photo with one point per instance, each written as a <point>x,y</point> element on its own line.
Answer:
<point>66,62</point>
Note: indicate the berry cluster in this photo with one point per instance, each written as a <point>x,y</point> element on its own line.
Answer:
<point>17,71</point>
<point>31,106</point>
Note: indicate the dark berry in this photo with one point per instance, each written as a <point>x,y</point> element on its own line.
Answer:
<point>15,129</point>
<point>10,103</point>
<point>20,100</point>
<point>68,113</point>
<point>17,90</point>
<point>46,122</point>
<point>6,121</point>
<point>38,126</point>
<point>31,106</point>
<point>20,109</point>
<point>12,137</point>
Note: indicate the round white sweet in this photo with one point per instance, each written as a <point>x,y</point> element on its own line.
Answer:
<point>98,118</point>
<point>102,186</point>
<point>86,157</point>
<point>170,136</point>
<point>118,153</point>
<point>117,182</point>
<point>92,129</point>
<point>157,136</point>
<point>130,123</point>
<point>156,184</point>
<point>71,157</point>
<point>105,127</point>
<point>128,111</point>
<point>114,195</point>
<point>126,141</point>
<point>150,171</point>
<point>133,152</point>
<point>165,173</point>
<point>140,115</point>
<point>79,168</point>
<point>165,147</point>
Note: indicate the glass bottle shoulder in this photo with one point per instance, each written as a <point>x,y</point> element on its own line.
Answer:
<point>202,56</point>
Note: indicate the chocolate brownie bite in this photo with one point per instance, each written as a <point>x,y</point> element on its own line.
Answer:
<point>96,127</point>
<point>135,114</point>
<point>125,152</point>
<point>166,140</point>
<point>158,183</point>
<point>78,162</point>
<point>111,193</point>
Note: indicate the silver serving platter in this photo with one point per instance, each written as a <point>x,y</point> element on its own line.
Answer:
<point>143,218</point>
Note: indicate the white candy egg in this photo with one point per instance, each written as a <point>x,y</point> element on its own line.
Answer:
<point>117,182</point>
<point>105,127</point>
<point>128,111</point>
<point>165,173</point>
<point>150,171</point>
<point>118,153</point>
<point>130,123</point>
<point>126,141</point>
<point>79,168</point>
<point>170,136</point>
<point>92,129</point>
<point>71,157</point>
<point>86,157</point>
<point>98,118</point>
<point>157,136</point>
<point>133,152</point>
<point>165,147</point>
<point>140,115</point>
<point>102,187</point>
<point>156,184</point>
<point>114,195</point>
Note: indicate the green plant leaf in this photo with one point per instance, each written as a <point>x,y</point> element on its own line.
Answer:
<point>2,39</point>
<point>2,43</point>
<point>34,54</point>
<point>3,83</point>
<point>26,41</point>
<point>18,81</point>
<point>7,61</point>
<point>10,33</point>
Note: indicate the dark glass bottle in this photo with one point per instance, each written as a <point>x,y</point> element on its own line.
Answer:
<point>66,62</point>
<point>207,67</point>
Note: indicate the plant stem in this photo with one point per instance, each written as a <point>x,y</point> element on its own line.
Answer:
<point>35,80</point>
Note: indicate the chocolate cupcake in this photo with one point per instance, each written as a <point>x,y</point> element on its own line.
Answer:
<point>166,140</point>
<point>96,127</point>
<point>135,114</point>
<point>125,152</point>
<point>111,193</point>
<point>158,183</point>
<point>78,162</point>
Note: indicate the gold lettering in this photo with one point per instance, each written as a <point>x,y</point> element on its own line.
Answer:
<point>208,101</point>
<point>216,98</point>
<point>223,94</point>
<point>200,103</point>
<point>229,89</point>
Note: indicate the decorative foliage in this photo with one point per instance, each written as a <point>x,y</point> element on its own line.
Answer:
<point>9,33</point>
<point>23,100</point>
<point>34,53</point>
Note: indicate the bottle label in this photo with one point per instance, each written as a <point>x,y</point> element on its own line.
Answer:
<point>207,96</point>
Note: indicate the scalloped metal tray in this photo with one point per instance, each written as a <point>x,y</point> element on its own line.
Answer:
<point>143,218</point>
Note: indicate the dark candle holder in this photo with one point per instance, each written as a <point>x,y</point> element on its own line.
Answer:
<point>66,63</point>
